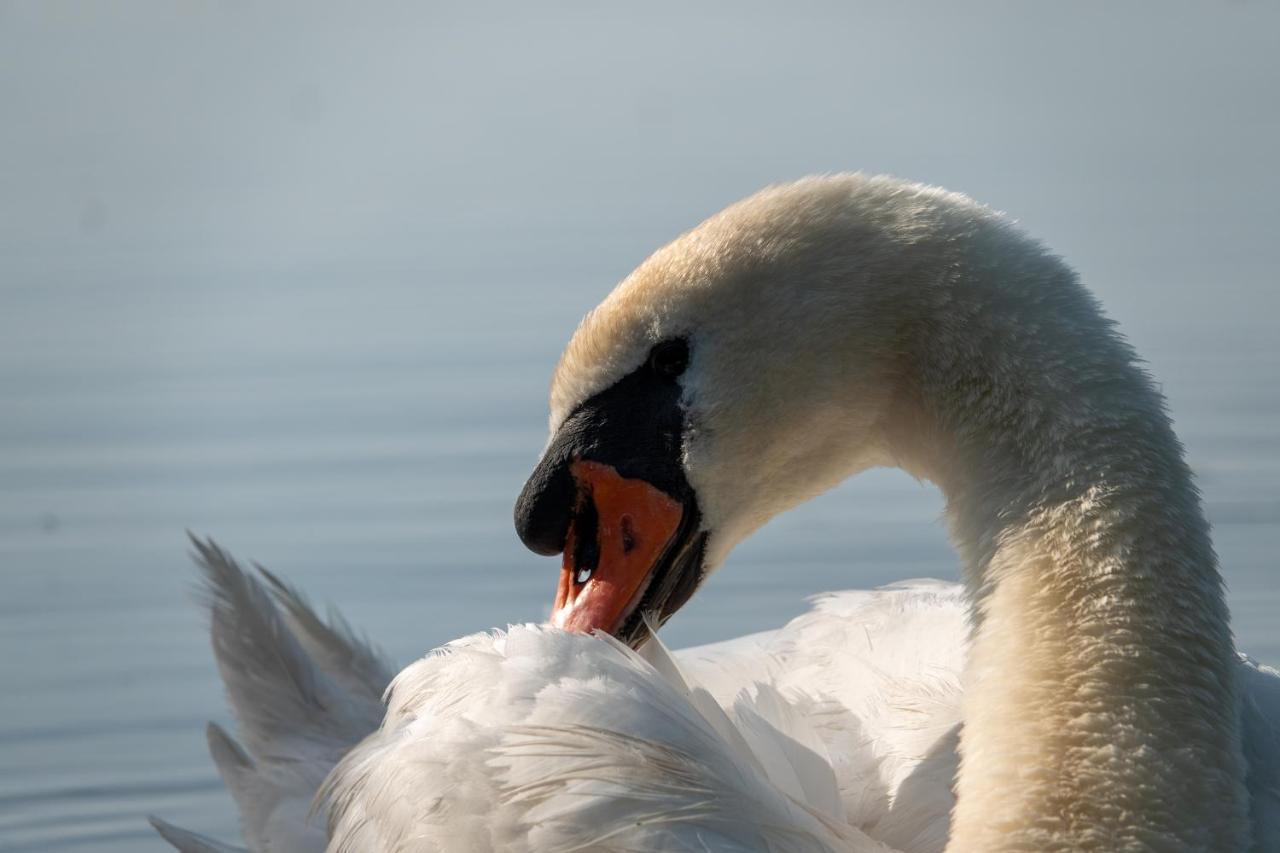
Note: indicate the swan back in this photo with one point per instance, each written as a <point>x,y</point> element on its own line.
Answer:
<point>586,745</point>
<point>537,739</point>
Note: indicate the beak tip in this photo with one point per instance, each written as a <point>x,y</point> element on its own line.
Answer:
<point>543,511</point>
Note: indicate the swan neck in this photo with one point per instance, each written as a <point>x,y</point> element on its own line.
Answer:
<point>1100,704</point>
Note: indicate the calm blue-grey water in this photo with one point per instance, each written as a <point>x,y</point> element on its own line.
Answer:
<point>296,277</point>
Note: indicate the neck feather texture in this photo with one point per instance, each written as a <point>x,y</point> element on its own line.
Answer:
<point>1100,704</point>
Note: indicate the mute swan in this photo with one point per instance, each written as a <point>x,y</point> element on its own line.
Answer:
<point>801,336</point>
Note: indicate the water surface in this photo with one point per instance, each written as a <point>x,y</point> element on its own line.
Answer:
<point>297,280</point>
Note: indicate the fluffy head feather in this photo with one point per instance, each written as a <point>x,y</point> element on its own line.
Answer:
<point>796,302</point>
<point>844,322</point>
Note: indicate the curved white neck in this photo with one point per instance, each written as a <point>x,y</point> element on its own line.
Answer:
<point>1100,705</point>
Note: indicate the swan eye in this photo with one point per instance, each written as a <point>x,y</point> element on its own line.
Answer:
<point>670,358</point>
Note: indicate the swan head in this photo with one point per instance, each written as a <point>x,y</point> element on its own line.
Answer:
<point>749,365</point>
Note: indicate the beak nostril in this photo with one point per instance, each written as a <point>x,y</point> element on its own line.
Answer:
<point>628,534</point>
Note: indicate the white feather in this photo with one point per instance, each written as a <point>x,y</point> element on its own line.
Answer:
<point>1103,707</point>
<point>835,732</point>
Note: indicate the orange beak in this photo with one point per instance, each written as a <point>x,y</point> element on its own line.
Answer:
<point>619,532</point>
